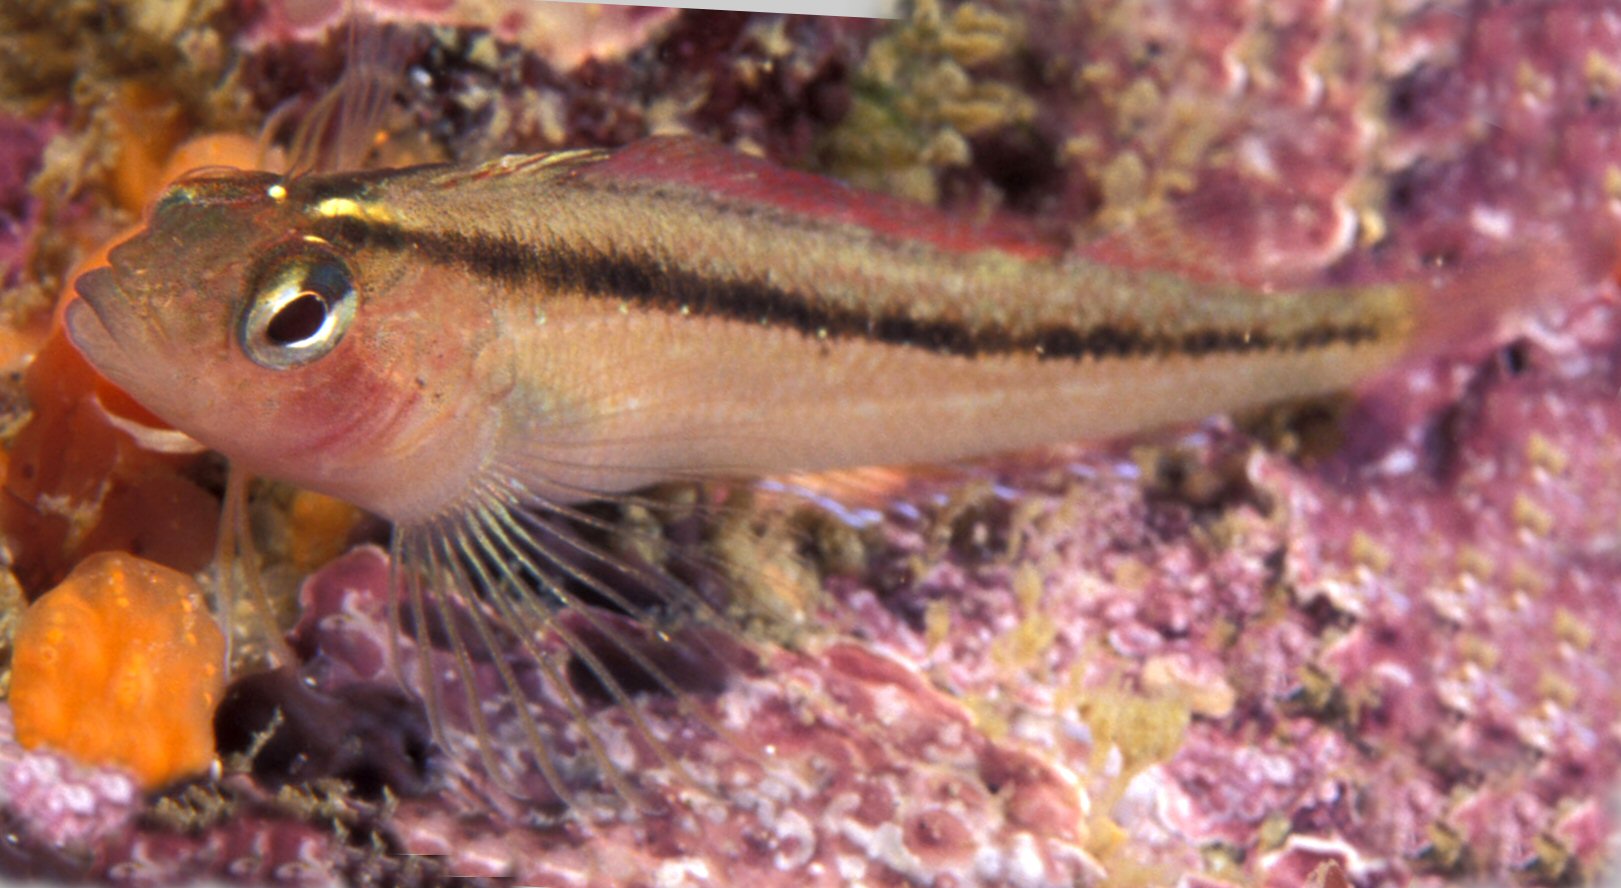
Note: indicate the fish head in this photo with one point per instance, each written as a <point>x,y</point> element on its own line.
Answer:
<point>300,357</point>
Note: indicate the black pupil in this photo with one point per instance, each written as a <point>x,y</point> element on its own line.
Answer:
<point>298,320</point>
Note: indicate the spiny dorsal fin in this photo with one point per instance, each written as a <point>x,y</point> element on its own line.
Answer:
<point>705,166</point>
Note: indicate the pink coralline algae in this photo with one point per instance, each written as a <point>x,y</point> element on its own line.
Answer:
<point>23,143</point>
<point>1355,644</point>
<point>838,764</point>
<point>565,34</point>
<point>52,801</point>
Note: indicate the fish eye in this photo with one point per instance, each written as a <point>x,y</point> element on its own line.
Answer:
<point>301,305</point>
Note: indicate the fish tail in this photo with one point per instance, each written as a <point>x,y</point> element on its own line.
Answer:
<point>1477,305</point>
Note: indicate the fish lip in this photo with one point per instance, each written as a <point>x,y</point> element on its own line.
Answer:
<point>98,288</point>
<point>86,319</point>
<point>85,328</point>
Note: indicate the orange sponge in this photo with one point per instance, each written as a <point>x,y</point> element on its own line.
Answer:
<point>121,664</point>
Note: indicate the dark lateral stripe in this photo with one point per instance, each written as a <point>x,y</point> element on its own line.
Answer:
<point>659,283</point>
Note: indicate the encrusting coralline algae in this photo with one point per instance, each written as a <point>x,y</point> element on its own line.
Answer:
<point>1366,633</point>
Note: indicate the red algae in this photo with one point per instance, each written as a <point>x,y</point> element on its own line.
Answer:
<point>75,483</point>
<point>120,664</point>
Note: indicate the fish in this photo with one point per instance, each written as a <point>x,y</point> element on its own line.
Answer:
<point>474,352</point>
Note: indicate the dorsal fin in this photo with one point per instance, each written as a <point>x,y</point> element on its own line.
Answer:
<point>706,166</point>
<point>338,132</point>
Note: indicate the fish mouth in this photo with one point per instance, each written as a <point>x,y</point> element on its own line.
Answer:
<point>116,341</point>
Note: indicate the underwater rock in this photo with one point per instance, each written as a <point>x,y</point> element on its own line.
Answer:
<point>1383,655</point>
<point>834,763</point>
<point>56,809</point>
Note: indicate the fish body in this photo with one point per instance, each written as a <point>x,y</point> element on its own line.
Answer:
<point>467,351</point>
<point>586,323</point>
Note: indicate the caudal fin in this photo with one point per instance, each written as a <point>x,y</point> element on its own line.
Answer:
<point>1474,304</point>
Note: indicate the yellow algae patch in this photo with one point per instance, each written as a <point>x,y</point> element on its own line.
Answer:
<point>1026,646</point>
<point>121,664</point>
<point>1145,729</point>
<point>318,529</point>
